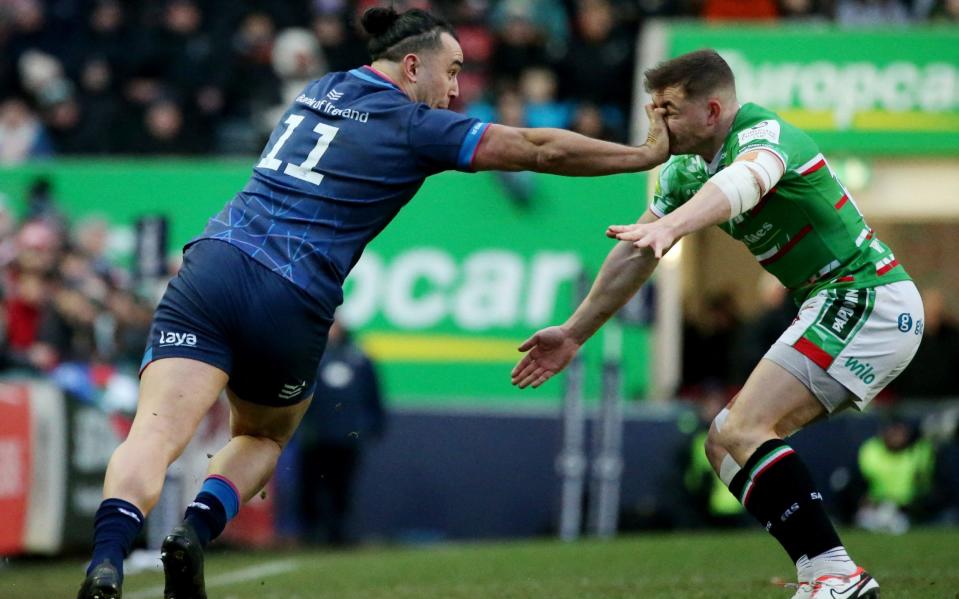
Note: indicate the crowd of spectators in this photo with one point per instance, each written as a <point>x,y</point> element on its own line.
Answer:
<point>211,76</point>
<point>66,310</point>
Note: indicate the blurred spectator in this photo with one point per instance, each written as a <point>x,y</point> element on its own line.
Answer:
<point>62,300</point>
<point>599,65</point>
<point>42,205</point>
<point>512,111</point>
<point>864,13</point>
<point>897,468</point>
<point>343,49</point>
<point>934,371</point>
<point>589,120</point>
<point>709,346</point>
<point>33,31</point>
<point>253,86</point>
<point>22,135</point>
<point>346,414</point>
<point>758,335</point>
<point>297,60</point>
<point>521,40</point>
<point>164,131</point>
<point>802,9</point>
<point>538,87</point>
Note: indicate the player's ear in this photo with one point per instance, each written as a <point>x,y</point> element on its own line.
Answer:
<point>714,110</point>
<point>411,65</point>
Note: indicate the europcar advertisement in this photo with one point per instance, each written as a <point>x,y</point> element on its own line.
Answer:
<point>442,298</point>
<point>887,91</point>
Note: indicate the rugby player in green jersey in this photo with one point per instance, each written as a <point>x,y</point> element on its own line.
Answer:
<point>860,316</point>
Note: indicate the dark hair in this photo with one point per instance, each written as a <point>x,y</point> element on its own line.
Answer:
<point>699,73</point>
<point>394,35</point>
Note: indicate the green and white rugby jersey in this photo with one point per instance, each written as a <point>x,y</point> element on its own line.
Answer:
<point>807,231</point>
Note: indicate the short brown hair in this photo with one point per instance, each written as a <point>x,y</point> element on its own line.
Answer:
<point>698,73</point>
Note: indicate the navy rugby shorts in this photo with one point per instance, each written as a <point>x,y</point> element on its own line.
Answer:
<point>226,309</point>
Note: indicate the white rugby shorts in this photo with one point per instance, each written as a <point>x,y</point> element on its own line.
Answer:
<point>859,338</point>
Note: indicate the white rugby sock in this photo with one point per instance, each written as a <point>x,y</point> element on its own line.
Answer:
<point>833,562</point>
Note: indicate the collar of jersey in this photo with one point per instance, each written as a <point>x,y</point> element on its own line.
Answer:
<point>373,76</point>
<point>712,167</point>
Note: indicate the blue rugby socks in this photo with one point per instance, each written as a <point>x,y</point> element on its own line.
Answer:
<point>216,504</point>
<point>116,526</point>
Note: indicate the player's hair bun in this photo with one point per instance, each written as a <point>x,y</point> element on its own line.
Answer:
<point>378,20</point>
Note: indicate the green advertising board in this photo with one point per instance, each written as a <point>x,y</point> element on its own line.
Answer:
<point>444,295</point>
<point>865,91</point>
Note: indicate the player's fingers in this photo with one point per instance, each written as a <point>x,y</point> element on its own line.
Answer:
<point>529,343</point>
<point>542,379</point>
<point>530,378</point>
<point>528,368</point>
<point>521,365</point>
<point>632,235</point>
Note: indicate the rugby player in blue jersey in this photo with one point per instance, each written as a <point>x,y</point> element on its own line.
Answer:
<point>250,309</point>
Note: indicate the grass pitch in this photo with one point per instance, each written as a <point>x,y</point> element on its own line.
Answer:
<point>921,564</point>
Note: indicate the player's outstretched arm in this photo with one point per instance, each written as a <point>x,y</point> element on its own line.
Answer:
<point>563,152</point>
<point>727,194</point>
<point>549,350</point>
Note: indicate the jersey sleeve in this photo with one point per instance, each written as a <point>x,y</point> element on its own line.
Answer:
<point>764,135</point>
<point>443,139</point>
<point>678,180</point>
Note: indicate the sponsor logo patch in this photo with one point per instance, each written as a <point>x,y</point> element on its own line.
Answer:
<point>841,318</point>
<point>905,322</point>
<point>172,338</point>
<point>862,370</point>
<point>768,130</point>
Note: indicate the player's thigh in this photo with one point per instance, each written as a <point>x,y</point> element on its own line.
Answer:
<point>175,394</point>
<point>277,423</point>
<point>772,402</point>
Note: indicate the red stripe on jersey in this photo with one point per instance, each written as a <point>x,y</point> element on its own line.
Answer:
<point>789,245</point>
<point>887,267</point>
<point>870,234</point>
<point>846,279</point>
<point>814,168</point>
<point>815,353</point>
<point>842,201</point>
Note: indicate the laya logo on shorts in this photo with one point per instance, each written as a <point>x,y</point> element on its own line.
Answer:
<point>168,338</point>
<point>862,370</point>
<point>905,322</point>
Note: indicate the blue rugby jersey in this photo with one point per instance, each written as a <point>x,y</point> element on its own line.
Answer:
<point>348,154</point>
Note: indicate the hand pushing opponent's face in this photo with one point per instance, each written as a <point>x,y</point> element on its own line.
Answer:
<point>691,122</point>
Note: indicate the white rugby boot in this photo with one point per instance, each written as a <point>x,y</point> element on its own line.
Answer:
<point>858,585</point>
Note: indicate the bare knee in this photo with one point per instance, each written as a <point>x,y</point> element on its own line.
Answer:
<point>740,437</point>
<point>714,451</point>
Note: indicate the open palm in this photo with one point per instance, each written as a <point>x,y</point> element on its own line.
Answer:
<point>548,352</point>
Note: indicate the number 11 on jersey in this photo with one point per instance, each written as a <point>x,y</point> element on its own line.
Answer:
<point>303,171</point>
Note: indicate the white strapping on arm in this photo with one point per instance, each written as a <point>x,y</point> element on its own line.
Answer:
<point>745,181</point>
